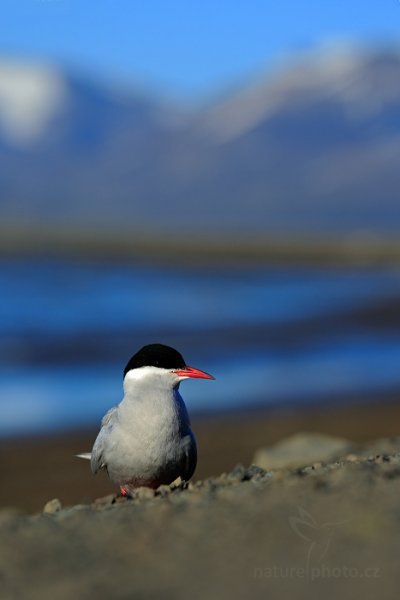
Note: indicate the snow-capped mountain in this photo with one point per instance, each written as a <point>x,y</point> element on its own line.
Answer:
<point>314,144</point>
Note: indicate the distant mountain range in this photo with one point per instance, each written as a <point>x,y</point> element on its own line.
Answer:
<point>312,146</point>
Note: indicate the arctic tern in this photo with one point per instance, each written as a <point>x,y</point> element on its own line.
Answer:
<point>146,440</point>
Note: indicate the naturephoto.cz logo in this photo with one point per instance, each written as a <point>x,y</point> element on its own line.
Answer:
<point>317,538</point>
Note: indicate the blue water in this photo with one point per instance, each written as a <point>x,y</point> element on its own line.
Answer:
<point>270,335</point>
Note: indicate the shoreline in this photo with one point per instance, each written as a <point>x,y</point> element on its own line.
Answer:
<point>341,249</point>
<point>36,468</point>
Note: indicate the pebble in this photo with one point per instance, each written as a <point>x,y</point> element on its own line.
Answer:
<point>352,458</point>
<point>144,493</point>
<point>52,506</point>
<point>163,490</point>
<point>238,473</point>
<point>105,500</point>
<point>254,471</point>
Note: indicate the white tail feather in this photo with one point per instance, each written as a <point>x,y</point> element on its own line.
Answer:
<point>85,455</point>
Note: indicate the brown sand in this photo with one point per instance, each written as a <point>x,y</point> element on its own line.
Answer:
<point>33,470</point>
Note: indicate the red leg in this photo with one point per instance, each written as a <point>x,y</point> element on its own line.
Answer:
<point>123,491</point>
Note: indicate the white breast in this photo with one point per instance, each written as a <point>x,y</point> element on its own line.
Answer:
<point>146,440</point>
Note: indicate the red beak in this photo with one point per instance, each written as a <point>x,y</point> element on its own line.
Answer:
<point>193,373</point>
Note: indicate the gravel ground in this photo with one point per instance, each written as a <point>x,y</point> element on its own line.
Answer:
<point>326,530</point>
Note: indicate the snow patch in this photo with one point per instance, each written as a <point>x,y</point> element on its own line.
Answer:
<point>340,73</point>
<point>30,95</point>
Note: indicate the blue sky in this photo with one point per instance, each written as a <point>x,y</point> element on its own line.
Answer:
<point>187,47</point>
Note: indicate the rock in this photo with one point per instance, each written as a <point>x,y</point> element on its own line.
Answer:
<point>352,457</point>
<point>120,499</point>
<point>300,450</point>
<point>163,490</point>
<point>254,471</point>
<point>105,500</point>
<point>52,506</point>
<point>177,482</point>
<point>144,493</point>
<point>238,473</point>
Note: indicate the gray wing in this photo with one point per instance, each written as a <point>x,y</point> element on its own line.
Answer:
<point>190,451</point>
<point>109,416</point>
<point>97,461</point>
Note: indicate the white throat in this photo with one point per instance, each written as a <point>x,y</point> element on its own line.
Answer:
<point>143,379</point>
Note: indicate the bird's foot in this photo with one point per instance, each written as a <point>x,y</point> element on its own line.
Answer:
<point>123,495</point>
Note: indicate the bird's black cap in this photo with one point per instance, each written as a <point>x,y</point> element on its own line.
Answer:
<point>156,355</point>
